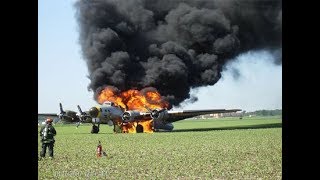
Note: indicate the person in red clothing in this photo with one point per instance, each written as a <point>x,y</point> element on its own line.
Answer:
<point>100,152</point>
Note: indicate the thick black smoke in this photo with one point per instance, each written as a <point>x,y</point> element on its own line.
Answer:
<point>172,45</point>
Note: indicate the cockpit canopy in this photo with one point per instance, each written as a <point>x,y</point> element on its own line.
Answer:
<point>108,103</point>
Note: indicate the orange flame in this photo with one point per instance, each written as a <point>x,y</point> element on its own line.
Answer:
<point>134,100</point>
<point>131,127</point>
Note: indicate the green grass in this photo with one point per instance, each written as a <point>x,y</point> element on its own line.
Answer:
<point>227,148</point>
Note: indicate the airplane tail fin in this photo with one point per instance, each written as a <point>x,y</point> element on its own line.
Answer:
<point>81,112</point>
<point>61,109</point>
<point>62,112</point>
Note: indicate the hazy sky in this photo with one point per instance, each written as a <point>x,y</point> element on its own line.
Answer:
<point>251,82</point>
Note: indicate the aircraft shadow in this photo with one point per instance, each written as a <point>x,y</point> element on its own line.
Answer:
<point>257,126</point>
<point>97,133</point>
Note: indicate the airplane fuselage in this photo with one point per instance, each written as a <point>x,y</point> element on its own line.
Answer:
<point>111,114</point>
<point>107,113</point>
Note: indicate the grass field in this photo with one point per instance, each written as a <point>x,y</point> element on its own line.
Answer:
<point>227,148</point>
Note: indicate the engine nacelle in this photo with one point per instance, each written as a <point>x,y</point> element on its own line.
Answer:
<point>159,114</point>
<point>130,116</point>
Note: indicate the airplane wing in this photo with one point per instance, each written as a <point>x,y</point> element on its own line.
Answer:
<point>170,116</point>
<point>47,114</point>
<point>43,116</point>
<point>174,116</point>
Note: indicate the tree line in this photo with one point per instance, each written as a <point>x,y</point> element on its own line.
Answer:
<point>275,112</point>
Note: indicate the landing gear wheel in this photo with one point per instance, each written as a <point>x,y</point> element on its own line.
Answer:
<point>139,128</point>
<point>95,129</point>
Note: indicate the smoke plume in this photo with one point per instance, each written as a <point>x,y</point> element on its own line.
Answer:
<point>171,45</point>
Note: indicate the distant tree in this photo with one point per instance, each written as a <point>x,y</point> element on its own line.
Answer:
<point>276,112</point>
<point>264,113</point>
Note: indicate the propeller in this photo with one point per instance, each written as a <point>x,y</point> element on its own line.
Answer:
<point>125,116</point>
<point>150,110</point>
<point>154,113</point>
<point>82,116</point>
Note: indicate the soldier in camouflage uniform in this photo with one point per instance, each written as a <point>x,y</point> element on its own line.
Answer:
<point>47,134</point>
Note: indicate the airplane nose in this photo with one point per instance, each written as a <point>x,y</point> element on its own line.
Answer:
<point>93,112</point>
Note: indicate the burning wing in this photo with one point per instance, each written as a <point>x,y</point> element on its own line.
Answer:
<point>163,119</point>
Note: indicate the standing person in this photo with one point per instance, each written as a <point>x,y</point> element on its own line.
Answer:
<point>47,133</point>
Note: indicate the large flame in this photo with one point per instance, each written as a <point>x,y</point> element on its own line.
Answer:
<point>130,127</point>
<point>134,100</point>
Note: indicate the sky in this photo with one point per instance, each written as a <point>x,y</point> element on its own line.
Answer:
<point>250,82</point>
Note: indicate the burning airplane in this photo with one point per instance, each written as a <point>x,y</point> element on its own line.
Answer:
<point>171,46</point>
<point>132,111</point>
